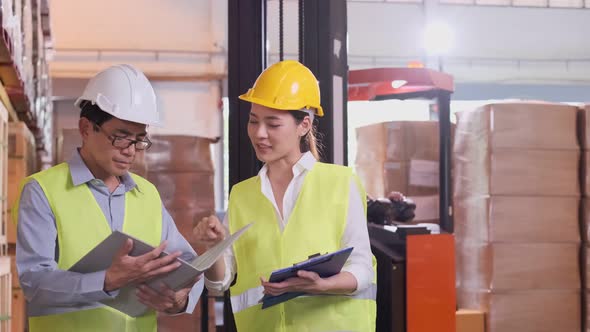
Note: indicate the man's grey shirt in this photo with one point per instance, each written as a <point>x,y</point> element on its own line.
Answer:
<point>49,290</point>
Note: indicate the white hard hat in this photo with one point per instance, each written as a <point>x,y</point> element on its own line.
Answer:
<point>124,92</point>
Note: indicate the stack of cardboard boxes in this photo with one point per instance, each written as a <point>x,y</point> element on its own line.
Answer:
<point>22,162</point>
<point>401,156</point>
<point>584,137</point>
<point>182,169</point>
<point>516,199</point>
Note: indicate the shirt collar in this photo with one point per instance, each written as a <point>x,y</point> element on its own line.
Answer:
<point>305,163</point>
<point>81,174</point>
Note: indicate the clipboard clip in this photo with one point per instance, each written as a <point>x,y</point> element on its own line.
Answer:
<point>308,258</point>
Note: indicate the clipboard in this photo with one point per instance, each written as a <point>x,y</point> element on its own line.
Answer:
<point>101,257</point>
<point>325,266</point>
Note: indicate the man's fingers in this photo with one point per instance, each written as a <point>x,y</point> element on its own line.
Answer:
<point>162,270</point>
<point>160,262</point>
<point>152,255</point>
<point>125,248</point>
<point>153,299</point>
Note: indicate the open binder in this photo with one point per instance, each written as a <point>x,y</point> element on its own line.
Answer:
<point>100,258</point>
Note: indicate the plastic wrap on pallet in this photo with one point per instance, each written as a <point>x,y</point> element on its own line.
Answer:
<point>531,144</point>
<point>522,125</point>
<point>584,126</point>
<point>585,172</point>
<point>399,156</point>
<point>526,311</point>
<point>184,190</point>
<point>518,266</point>
<point>8,16</point>
<point>181,168</point>
<point>179,154</point>
<point>585,220</point>
<point>516,219</point>
<point>398,141</point>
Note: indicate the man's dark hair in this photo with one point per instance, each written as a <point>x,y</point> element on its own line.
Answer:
<point>93,113</point>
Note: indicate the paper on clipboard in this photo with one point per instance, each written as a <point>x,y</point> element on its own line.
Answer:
<point>100,258</point>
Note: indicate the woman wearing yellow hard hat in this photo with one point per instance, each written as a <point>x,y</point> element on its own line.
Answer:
<point>299,207</point>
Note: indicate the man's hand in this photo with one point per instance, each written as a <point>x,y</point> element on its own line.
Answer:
<point>126,269</point>
<point>306,281</point>
<point>164,299</point>
<point>209,232</point>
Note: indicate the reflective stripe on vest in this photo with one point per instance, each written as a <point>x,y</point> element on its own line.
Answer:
<point>81,225</point>
<point>316,225</point>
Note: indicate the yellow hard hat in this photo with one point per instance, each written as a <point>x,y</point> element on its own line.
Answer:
<point>286,85</point>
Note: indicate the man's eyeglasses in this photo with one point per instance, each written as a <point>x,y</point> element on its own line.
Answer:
<point>123,142</point>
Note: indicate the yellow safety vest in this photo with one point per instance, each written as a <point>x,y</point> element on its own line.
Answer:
<point>81,225</point>
<point>316,225</point>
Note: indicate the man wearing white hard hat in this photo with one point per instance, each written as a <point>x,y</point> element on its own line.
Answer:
<point>65,211</point>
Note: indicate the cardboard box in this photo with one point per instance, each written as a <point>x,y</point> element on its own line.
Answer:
<point>17,171</point>
<point>184,190</point>
<point>412,178</point>
<point>526,311</point>
<point>585,173</point>
<point>427,209</point>
<point>584,127</point>
<point>21,142</point>
<point>399,141</point>
<point>504,267</point>
<point>179,154</point>
<point>516,172</point>
<point>470,320</point>
<point>517,125</point>
<point>516,219</point>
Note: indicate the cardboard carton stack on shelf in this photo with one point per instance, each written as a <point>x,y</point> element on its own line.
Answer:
<point>516,198</point>
<point>22,162</point>
<point>401,156</point>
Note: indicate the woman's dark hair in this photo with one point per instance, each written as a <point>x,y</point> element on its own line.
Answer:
<point>93,113</point>
<point>310,141</point>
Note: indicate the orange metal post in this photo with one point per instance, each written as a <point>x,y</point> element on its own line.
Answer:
<point>431,301</point>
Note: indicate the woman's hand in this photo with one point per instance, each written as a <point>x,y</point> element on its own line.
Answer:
<point>306,281</point>
<point>209,232</point>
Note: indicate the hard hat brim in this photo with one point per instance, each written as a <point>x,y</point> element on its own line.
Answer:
<point>318,110</point>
